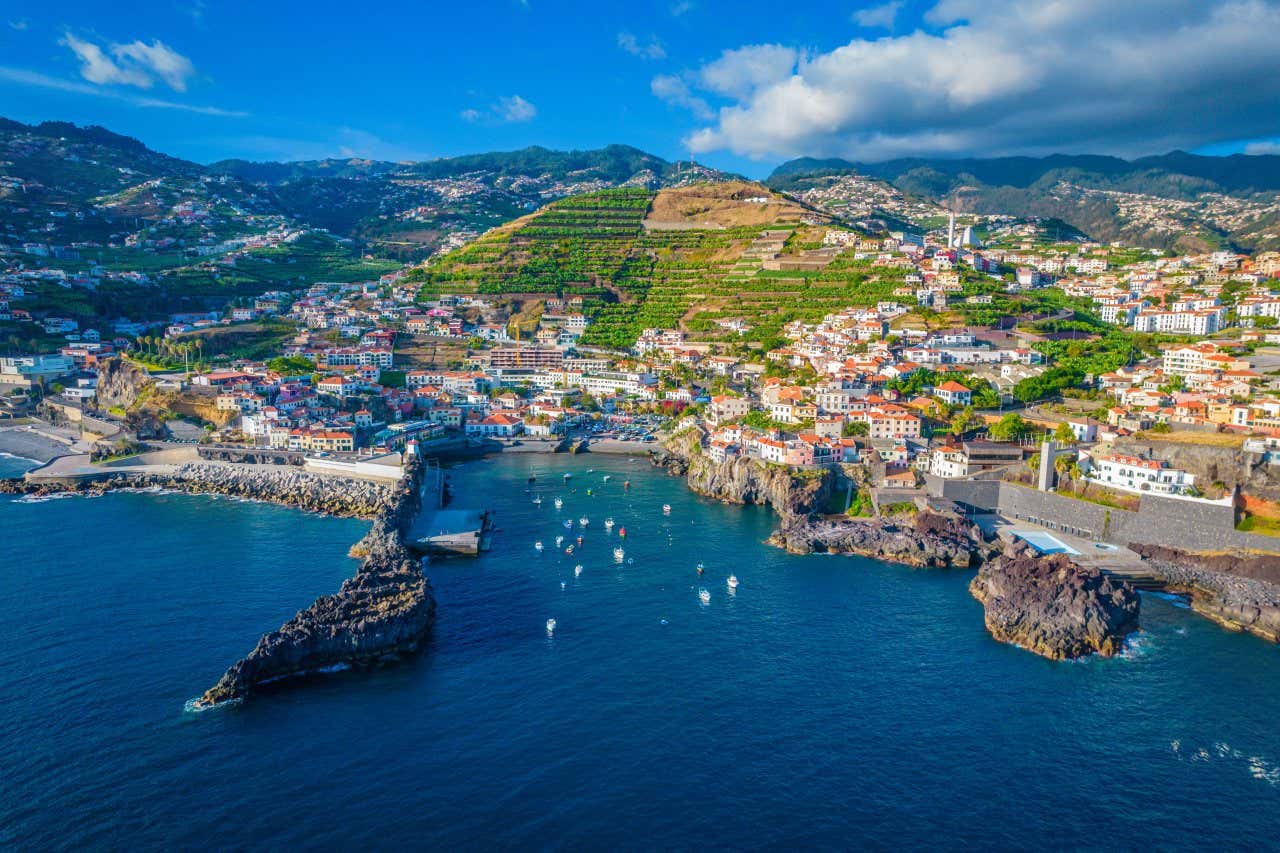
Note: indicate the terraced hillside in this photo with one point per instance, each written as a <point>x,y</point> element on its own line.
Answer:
<point>693,258</point>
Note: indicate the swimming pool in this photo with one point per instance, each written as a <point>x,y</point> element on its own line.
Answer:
<point>1045,543</point>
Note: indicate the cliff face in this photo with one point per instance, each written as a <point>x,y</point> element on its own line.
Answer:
<point>1239,592</point>
<point>1053,607</point>
<point>928,540</point>
<point>120,384</point>
<point>1232,467</point>
<point>386,610</point>
<point>741,480</point>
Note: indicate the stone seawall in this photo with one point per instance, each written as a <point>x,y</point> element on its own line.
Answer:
<point>379,615</point>
<point>282,485</point>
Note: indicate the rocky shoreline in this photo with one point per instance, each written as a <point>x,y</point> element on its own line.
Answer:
<point>927,540</point>
<point>379,615</point>
<point>1240,592</point>
<point>280,485</point>
<point>1053,607</point>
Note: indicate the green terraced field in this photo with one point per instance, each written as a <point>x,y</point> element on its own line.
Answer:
<point>596,246</point>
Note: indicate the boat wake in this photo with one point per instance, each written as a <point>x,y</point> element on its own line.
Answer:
<point>1256,766</point>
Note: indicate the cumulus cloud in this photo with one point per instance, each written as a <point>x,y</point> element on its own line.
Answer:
<point>878,17</point>
<point>508,108</point>
<point>632,45</point>
<point>34,79</point>
<point>135,64</point>
<point>676,92</point>
<point>514,108</point>
<point>1005,76</point>
<point>1270,146</point>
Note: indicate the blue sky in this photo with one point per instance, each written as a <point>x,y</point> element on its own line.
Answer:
<point>745,84</point>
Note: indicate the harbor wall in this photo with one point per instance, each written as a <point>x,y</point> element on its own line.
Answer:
<point>1189,525</point>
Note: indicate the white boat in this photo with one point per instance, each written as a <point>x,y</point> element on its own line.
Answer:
<point>704,595</point>
<point>559,541</point>
<point>732,582</point>
<point>577,570</point>
<point>559,502</point>
<point>608,524</point>
<point>537,546</point>
<point>701,569</point>
<point>563,585</point>
<point>537,500</point>
<point>619,554</point>
<point>567,475</point>
<point>607,477</point>
<point>551,627</point>
<point>666,509</point>
<point>584,521</point>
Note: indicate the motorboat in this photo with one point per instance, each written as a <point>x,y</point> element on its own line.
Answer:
<point>559,502</point>
<point>551,627</point>
<point>577,570</point>
<point>666,509</point>
<point>704,595</point>
<point>732,582</point>
<point>619,555</point>
<point>608,524</point>
<point>537,546</point>
<point>584,521</point>
<point>559,541</point>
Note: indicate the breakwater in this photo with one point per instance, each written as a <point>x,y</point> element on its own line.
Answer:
<point>274,484</point>
<point>382,613</point>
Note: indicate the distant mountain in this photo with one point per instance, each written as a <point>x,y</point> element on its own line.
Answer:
<point>1175,200</point>
<point>405,210</point>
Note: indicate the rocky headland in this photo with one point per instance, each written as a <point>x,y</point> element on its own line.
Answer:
<point>1049,605</point>
<point>382,613</point>
<point>740,480</point>
<point>927,539</point>
<point>1240,592</point>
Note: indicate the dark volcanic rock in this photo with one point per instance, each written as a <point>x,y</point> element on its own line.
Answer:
<point>1053,607</point>
<point>1238,591</point>
<point>386,610</point>
<point>929,540</point>
<point>789,491</point>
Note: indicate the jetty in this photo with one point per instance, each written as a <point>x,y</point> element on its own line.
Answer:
<point>440,532</point>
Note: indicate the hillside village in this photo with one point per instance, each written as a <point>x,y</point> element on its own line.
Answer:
<point>847,323</point>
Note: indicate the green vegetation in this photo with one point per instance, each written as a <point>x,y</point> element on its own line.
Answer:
<point>292,365</point>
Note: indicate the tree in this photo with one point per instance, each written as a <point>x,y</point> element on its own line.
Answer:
<point>1009,428</point>
<point>852,428</point>
<point>1063,434</point>
<point>963,421</point>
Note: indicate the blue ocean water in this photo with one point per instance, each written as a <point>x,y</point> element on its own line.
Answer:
<point>831,702</point>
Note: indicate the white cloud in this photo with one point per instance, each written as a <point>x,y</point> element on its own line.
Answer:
<point>738,73</point>
<point>878,17</point>
<point>681,7</point>
<point>135,64</point>
<point>675,91</point>
<point>1008,76</point>
<point>508,108</point>
<point>20,24</point>
<point>652,50</point>
<point>1271,146</point>
<point>35,79</point>
<point>514,108</point>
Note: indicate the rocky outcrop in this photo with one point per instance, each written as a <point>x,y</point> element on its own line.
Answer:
<point>120,384</point>
<point>1240,592</point>
<point>382,613</point>
<point>928,540</point>
<point>791,492</point>
<point>1052,606</point>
